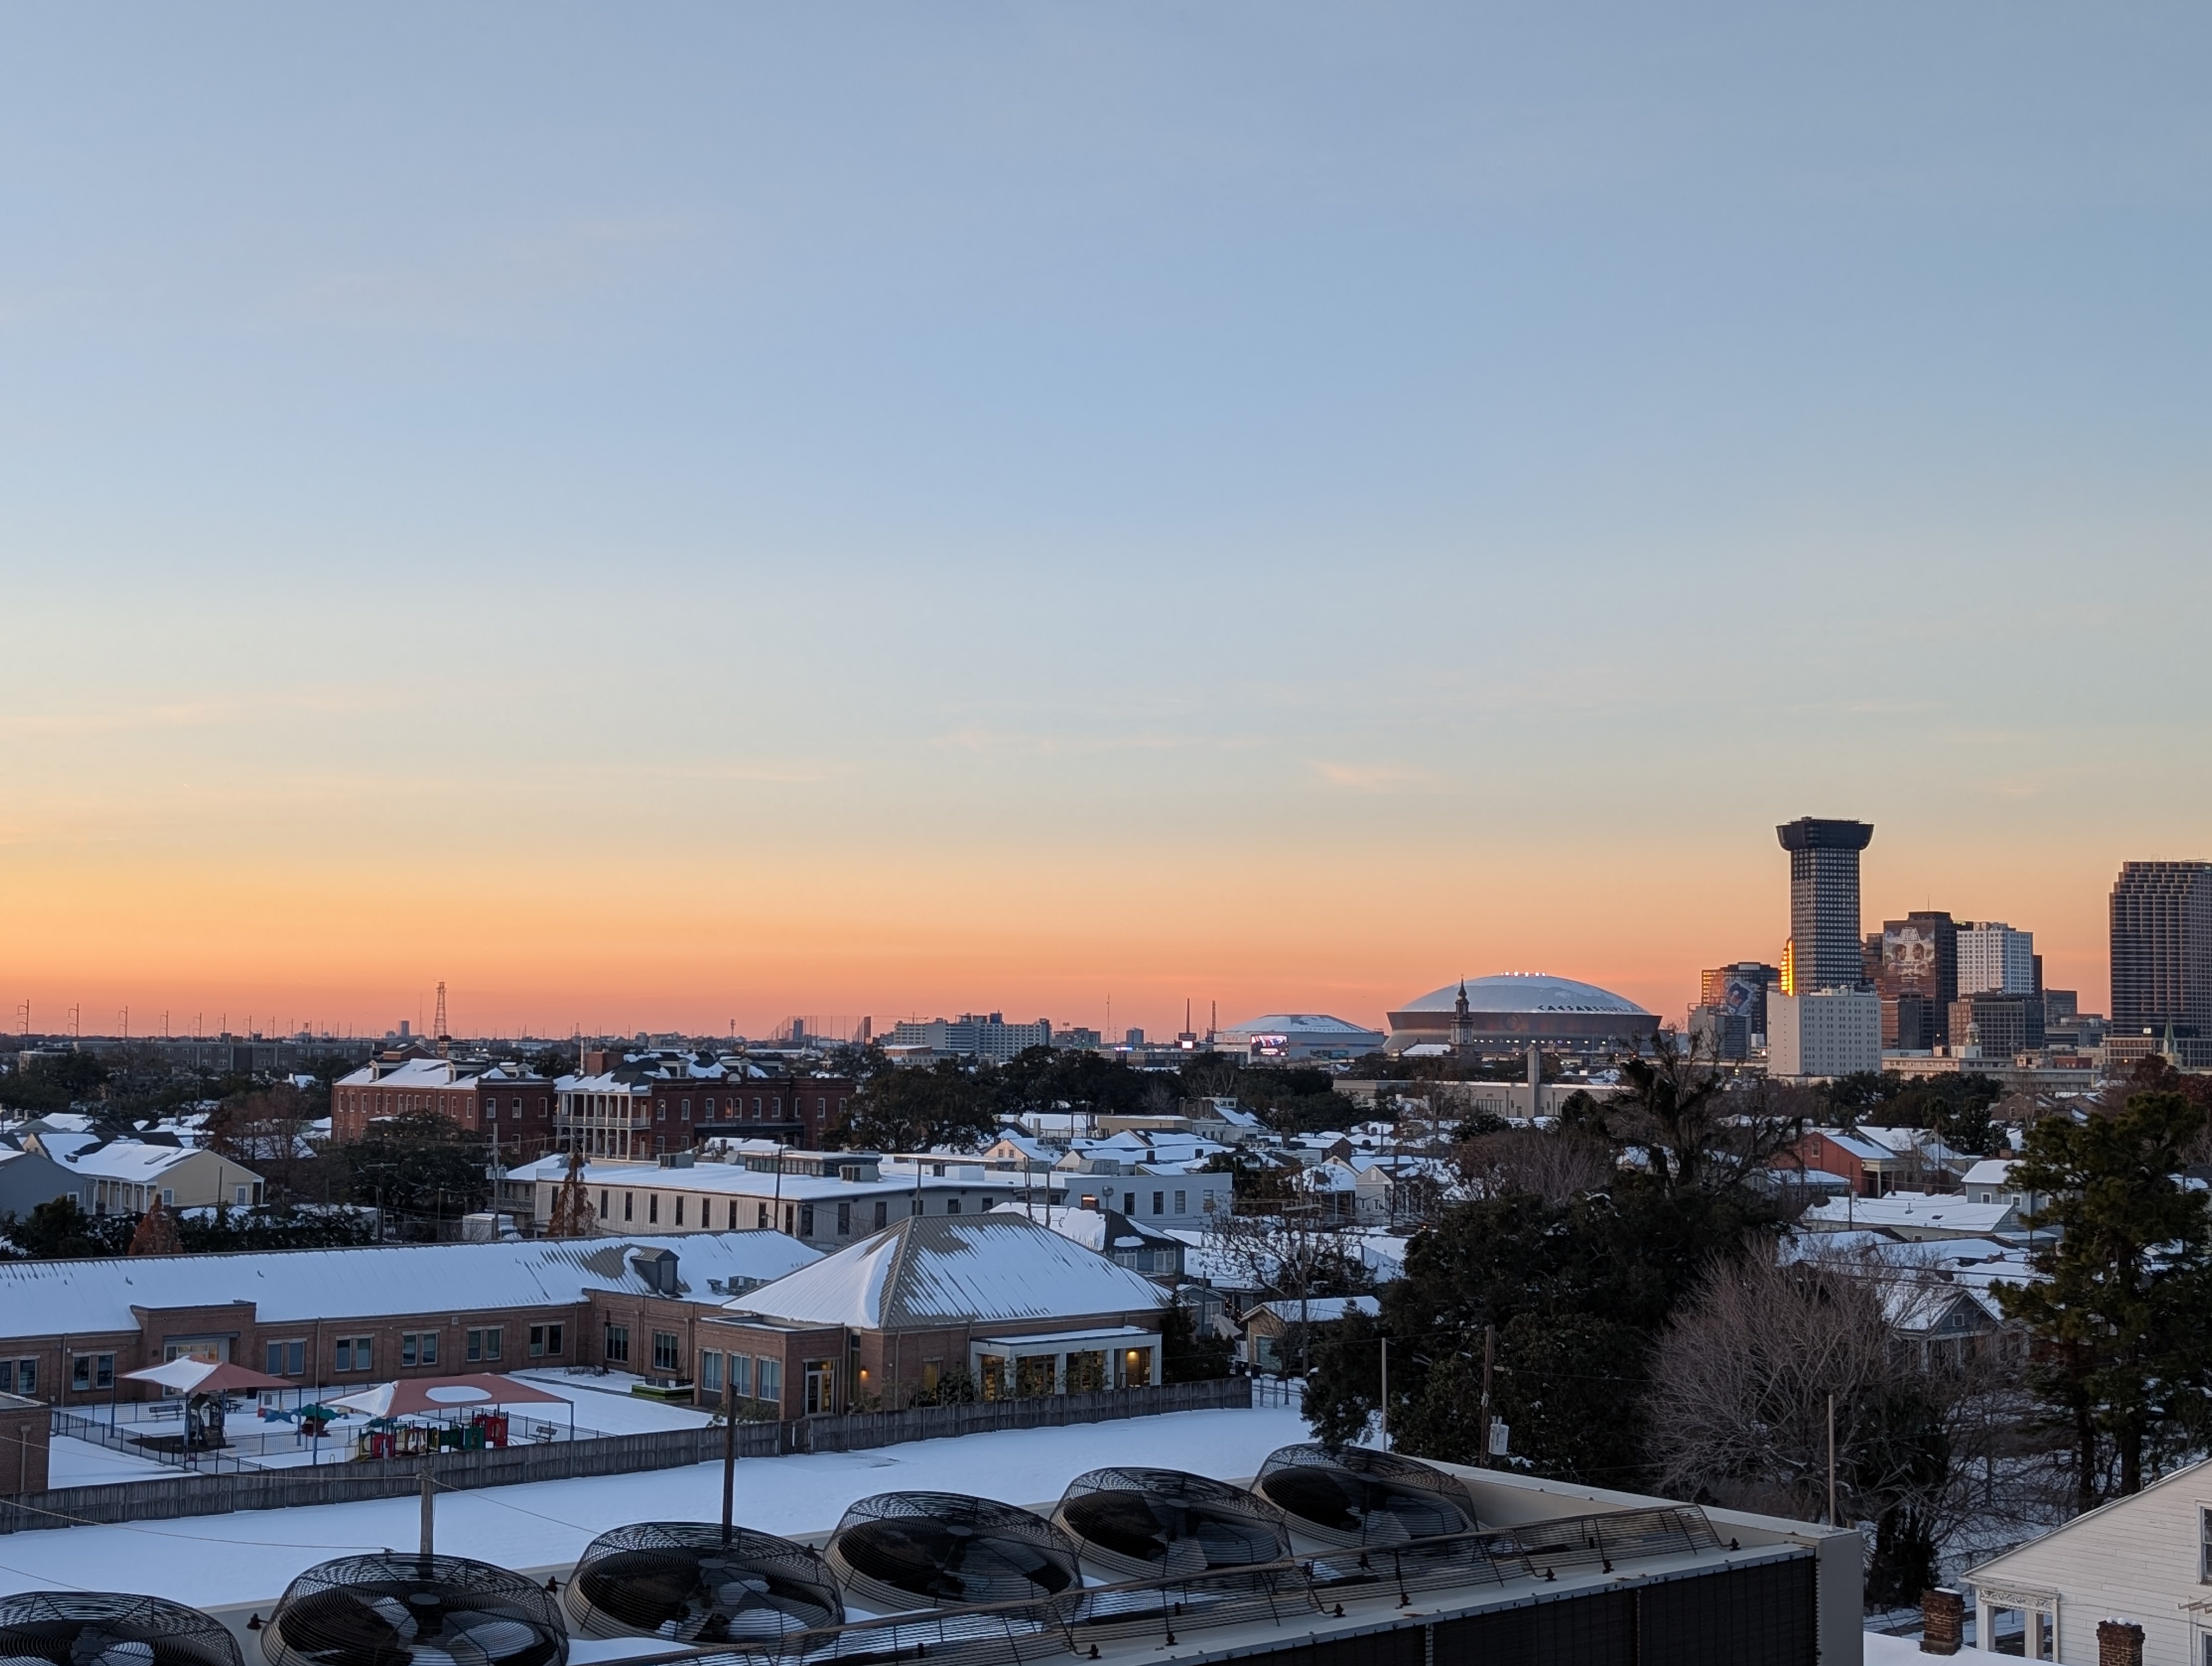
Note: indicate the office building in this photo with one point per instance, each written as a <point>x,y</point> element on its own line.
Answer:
<point>2163,955</point>
<point>987,1037</point>
<point>1998,1023</point>
<point>1995,957</point>
<point>1825,950</point>
<point>1823,1032</point>
<point>1916,957</point>
<point>1739,991</point>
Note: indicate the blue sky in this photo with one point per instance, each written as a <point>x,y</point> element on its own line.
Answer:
<point>883,509</point>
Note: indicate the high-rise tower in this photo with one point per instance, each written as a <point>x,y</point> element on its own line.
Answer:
<point>1826,952</point>
<point>2162,954</point>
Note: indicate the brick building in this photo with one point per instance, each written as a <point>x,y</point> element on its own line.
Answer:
<point>71,1331</point>
<point>1017,1308</point>
<point>505,1104</point>
<point>638,1105</point>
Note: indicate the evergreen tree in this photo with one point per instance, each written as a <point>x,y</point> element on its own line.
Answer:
<point>2123,1313</point>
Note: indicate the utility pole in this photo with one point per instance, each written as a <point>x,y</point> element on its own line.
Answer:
<point>1832,1460</point>
<point>1386,1393</point>
<point>429,1507</point>
<point>729,1455</point>
<point>1489,1353</point>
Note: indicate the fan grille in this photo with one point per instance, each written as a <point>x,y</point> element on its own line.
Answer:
<point>1352,1496</point>
<point>900,1551</point>
<point>395,1610</point>
<point>679,1580</point>
<point>103,1628</point>
<point>1151,1523</point>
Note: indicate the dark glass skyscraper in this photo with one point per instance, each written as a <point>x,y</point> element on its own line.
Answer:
<point>2162,954</point>
<point>1825,950</point>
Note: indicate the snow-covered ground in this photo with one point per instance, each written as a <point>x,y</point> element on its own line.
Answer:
<point>215,1560</point>
<point>74,1463</point>
<point>1883,1650</point>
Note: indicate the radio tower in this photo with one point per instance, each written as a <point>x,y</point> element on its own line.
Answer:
<point>444,1040</point>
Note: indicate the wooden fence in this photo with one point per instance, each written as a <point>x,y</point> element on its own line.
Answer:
<point>568,1460</point>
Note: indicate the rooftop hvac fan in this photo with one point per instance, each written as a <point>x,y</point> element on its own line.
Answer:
<point>679,1580</point>
<point>96,1628</point>
<point>901,1551</point>
<point>1350,1497</point>
<point>400,1610</point>
<point>1165,1523</point>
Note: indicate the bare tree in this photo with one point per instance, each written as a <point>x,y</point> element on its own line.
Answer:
<point>1293,1257</point>
<point>1742,1385</point>
<point>1688,1123</point>
<point>1555,1164</point>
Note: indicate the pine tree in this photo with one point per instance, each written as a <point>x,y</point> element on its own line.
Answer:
<point>157,1234</point>
<point>573,1216</point>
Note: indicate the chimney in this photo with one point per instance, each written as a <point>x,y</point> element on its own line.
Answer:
<point>1943,1621</point>
<point>2120,1643</point>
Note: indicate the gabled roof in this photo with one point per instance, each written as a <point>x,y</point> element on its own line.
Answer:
<point>953,1269</point>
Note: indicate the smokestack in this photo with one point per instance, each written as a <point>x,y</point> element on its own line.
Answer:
<point>1535,1081</point>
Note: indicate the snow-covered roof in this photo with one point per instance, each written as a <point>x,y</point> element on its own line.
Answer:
<point>954,1269</point>
<point>128,1160</point>
<point>735,1180</point>
<point>1320,1310</point>
<point>1991,1171</point>
<point>1946,1212</point>
<point>1089,1227</point>
<point>1861,1146</point>
<point>49,1298</point>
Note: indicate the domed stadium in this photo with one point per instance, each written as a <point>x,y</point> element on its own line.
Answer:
<point>1512,1009</point>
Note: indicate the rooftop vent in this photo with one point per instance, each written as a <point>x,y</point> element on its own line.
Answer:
<point>403,1610</point>
<point>1165,1523</point>
<point>97,1628</point>
<point>679,1580</point>
<point>901,1551</point>
<point>1351,1495</point>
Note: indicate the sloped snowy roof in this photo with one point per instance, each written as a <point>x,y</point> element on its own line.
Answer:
<point>1945,1212</point>
<point>954,1269</point>
<point>127,1159</point>
<point>1991,1171</point>
<point>48,1297</point>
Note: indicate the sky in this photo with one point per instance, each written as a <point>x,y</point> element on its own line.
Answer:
<point>676,519</point>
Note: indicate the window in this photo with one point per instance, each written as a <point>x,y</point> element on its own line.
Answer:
<point>706,1108</point>
<point>241,1196</point>
<point>769,1373</point>
<point>687,1111</point>
<point>1158,1199</point>
<point>418,1347</point>
<point>2204,1546</point>
<point>883,1214</point>
<point>1182,1206</point>
<point>665,1350</point>
<point>710,1373</point>
<point>603,1203</point>
<point>660,1113</point>
<point>757,1104</point>
<point>932,1370</point>
<point>617,1345</point>
<point>653,1208</point>
<point>952,1206</point>
<point>544,1340</point>
<point>741,1375</point>
<point>169,1194</point>
<point>679,1208</point>
<point>629,1205</point>
<point>806,1220</point>
<point>844,1220</point>
<point>354,1354</point>
<point>97,1371</point>
<point>483,1345</point>
<point>26,1375</point>
<point>763,1216</point>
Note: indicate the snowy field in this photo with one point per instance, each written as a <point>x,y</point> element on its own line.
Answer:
<point>214,1561</point>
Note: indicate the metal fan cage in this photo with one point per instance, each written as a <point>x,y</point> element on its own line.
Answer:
<point>1168,1523</point>
<point>679,1580</point>
<point>104,1628</point>
<point>901,1551</point>
<point>400,1610</point>
<point>1352,1497</point>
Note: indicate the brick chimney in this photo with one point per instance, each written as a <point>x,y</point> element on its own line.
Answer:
<point>2120,1643</point>
<point>1943,1621</point>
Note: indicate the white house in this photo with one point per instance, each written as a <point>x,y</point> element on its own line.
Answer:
<point>2147,1558</point>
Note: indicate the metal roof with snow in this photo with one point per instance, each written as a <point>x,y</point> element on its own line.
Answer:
<point>934,1270</point>
<point>52,1298</point>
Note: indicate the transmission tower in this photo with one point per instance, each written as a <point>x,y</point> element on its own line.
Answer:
<point>438,1028</point>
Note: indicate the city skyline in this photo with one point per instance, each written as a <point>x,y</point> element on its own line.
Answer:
<point>745,515</point>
